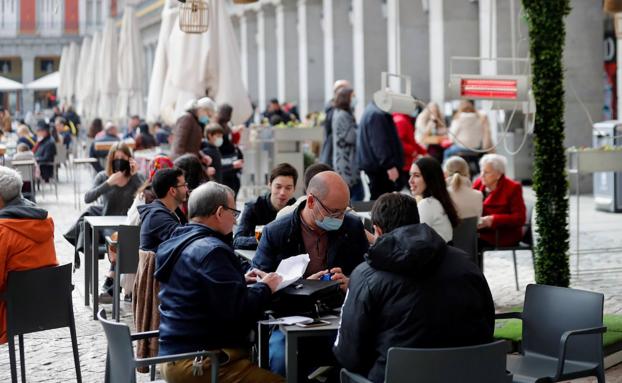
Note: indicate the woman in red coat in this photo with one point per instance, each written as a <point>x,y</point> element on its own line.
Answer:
<point>504,207</point>
<point>412,150</point>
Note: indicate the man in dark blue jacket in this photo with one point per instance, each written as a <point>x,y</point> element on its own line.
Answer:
<point>45,151</point>
<point>158,218</point>
<point>413,291</point>
<point>379,150</point>
<point>205,300</point>
<point>335,241</point>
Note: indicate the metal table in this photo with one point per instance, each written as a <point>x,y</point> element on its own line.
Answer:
<point>93,225</point>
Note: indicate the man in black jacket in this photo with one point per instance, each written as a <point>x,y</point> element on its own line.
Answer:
<point>379,150</point>
<point>413,291</point>
<point>45,151</point>
<point>264,209</point>
<point>158,218</point>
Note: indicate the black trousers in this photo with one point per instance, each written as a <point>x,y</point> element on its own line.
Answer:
<point>379,184</point>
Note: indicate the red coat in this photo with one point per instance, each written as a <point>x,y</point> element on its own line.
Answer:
<point>406,133</point>
<point>506,206</point>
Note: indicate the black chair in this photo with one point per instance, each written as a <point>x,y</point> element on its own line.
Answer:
<point>38,300</point>
<point>562,335</point>
<point>121,363</point>
<point>482,364</point>
<point>526,243</point>
<point>465,237</point>
<point>128,241</point>
<point>361,206</point>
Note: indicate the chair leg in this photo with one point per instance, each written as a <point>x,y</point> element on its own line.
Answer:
<point>515,269</point>
<point>116,297</point>
<point>12,362</point>
<point>74,346</point>
<point>215,365</point>
<point>22,359</point>
<point>600,374</point>
<point>152,371</point>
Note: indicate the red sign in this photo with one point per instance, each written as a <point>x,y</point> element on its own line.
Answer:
<point>489,89</point>
<point>72,15</point>
<point>27,17</point>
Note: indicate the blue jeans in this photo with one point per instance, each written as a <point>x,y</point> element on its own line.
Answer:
<point>277,352</point>
<point>453,150</point>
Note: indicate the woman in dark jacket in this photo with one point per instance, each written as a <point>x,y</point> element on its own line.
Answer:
<point>45,151</point>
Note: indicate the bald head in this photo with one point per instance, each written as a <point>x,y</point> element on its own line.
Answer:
<point>331,187</point>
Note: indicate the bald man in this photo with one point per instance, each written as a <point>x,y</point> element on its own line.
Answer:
<point>335,241</point>
<point>326,155</point>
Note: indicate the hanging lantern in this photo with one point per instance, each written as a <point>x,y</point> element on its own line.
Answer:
<point>194,16</point>
<point>613,6</point>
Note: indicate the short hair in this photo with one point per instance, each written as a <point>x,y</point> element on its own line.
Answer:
<point>117,146</point>
<point>10,184</point>
<point>284,170</point>
<point>313,170</point>
<point>206,103</point>
<point>393,210</point>
<point>205,200</point>
<point>213,128</point>
<point>60,120</point>
<point>342,98</point>
<point>274,100</point>
<point>23,129</point>
<point>225,111</point>
<point>22,147</point>
<point>164,179</point>
<point>135,117</point>
<point>497,161</point>
<point>109,125</point>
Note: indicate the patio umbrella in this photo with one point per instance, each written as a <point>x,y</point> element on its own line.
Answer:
<point>81,71</point>
<point>107,73</point>
<point>130,67</point>
<point>8,85</point>
<point>91,74</point>
<point>188,66</point>
<point>63,69</point>
<point>72,73</point>
<point>48,82</point>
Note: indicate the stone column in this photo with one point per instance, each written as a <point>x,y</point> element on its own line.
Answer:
<point>28,75</point>
<point>266,54</point>
<point>82,16</point>
<point>310,56</point>
<point>248,52</point>
<point>369,28</point>
<point>286,53</point>
<point>338,52</point>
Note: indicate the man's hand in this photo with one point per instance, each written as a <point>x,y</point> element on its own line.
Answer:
<point>339,276</point>
<point>393,174</point>
<point>485,222</point>
<point>238,164</point>
<point>254,275</point>
<point>207,160</point>
<point>272,280</point>
<point>318,275</point>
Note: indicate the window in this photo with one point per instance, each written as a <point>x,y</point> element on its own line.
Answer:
<point>47,66</point>
<point>5,66</point>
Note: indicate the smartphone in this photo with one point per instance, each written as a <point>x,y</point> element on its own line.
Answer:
<point>315,323</point>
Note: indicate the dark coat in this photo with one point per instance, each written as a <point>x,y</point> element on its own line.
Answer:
<point>187,136</point>
<point>378,146</point>
<point>283,239</point>
<point>45,151</point>
<point>212,151</point>
<point>326,155</point>
<point>157,224</point>
<point>205,303</point>
<point>413,291</point>
<point>507,207</point>
<point>257,212</point>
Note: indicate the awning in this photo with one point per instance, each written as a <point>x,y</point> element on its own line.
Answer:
<point>7,85</point>
<point>47,82</point>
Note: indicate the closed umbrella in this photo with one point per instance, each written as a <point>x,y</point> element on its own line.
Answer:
<point>72,72</point>
<point>190,66</point>
<point>130,67</point>
<point>90,78</point>
<point>82,67</point>
<point>108,86</point>
<point>63,70</point>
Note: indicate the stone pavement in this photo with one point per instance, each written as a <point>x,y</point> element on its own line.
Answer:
<point>49,356</point>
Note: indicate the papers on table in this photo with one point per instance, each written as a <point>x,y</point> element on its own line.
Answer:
<point>292,269</point>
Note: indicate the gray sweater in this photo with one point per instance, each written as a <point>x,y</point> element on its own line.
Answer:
<point>115,200</point>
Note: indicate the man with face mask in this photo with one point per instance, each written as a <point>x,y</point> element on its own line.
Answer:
<point>188,131</point>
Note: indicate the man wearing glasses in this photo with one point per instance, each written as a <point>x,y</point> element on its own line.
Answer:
<point>206,300</point>
<point>335,241</point>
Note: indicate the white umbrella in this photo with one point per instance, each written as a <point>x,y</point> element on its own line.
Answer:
<point>107,75</point>
<point>187,65</point>
<point>82,69</point>
<point>8,85</point>
<point>130,67</point>
<point>63,69</point>
<point>90,78</point>
<point>72,73</point>
<point>47,82</point>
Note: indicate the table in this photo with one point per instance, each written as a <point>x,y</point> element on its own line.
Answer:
<point>292,335</point>
<point>93,225</point>
<point>246,254</point>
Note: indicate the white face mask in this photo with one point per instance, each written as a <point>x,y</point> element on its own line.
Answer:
<point>218,142</point>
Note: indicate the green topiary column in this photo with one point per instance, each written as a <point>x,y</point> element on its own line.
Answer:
<point>545,19</point>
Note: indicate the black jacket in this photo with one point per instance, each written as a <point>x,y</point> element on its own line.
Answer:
<point>157,224</point>
<point>413,291</point>
<point>326,155</point>
<point>257,212</point>
<point>283,239</point>
<point>205,303</point>
<point>212,151</point>
<point>378,146</point>
<point>44,154</point>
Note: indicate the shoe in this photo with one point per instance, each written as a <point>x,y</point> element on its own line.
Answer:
<point>105,298</point>
<point>127,298</point>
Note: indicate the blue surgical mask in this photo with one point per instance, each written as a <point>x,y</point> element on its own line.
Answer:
<point>218,142</point>
<point>329,223</point>
<point>353,103</point>
<point>204,120</point>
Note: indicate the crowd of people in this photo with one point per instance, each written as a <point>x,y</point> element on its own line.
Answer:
<point>401,281</point>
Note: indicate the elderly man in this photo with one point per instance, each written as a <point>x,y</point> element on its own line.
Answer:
<point>205,300</point>
<point>26,235</point>
<point>504,208</point>
<point>188,130</point>
<point>413,291</point>
<point>335,241</point>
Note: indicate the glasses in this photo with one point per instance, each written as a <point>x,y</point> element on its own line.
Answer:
<point>185,185</point>
<point>236,213</point>
<point>331,213</point>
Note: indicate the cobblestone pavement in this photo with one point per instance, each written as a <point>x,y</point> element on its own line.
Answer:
<point>49,356</point>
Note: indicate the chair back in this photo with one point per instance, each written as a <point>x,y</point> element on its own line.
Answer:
<point>39,299</point>
<point>127,248</point>
<point>120,361</point>
<point>465,237</point>
<point>528,229</point>
<point>483,363</point>
<point>362,205</point>
<point>550,311</point>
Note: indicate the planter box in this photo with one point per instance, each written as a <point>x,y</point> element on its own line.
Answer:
<point>591,161</point>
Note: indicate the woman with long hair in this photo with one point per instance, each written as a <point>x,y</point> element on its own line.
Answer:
<point>435,207</point>
<point>468,201</point>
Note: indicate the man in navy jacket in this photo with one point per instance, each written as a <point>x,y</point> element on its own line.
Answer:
<point>379,150</point>
<point>205,300</point>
